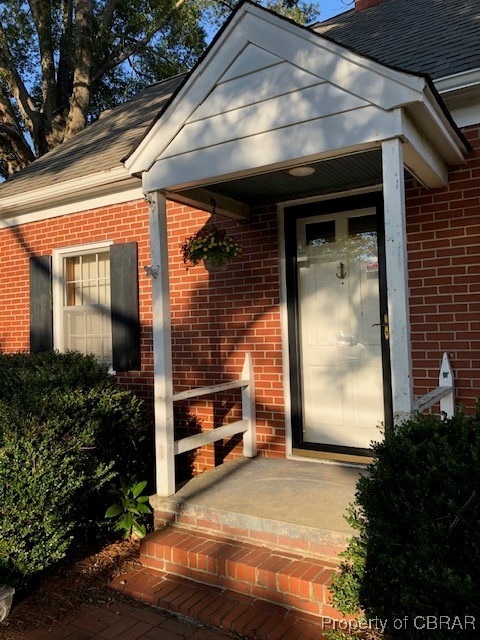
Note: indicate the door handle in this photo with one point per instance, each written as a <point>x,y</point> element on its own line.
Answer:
<point>341,273</point>
<point>385,325</point>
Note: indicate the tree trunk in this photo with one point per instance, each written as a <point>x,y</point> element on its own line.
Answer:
<point>80,97</point>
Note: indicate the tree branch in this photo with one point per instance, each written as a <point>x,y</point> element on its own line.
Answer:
<point>15,83</point>
<point>65,58</point>
<point>15,152</point>
<point>107,16</point>
<point>116,59</point>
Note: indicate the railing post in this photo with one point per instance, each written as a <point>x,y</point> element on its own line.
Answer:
<point>248,409</point>
<point>445,379</point>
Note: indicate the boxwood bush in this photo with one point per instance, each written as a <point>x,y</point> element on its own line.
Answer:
<point>415,560</point>
<point>66,430</point>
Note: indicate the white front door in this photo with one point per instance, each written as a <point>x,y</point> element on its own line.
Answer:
<point>339,328</point>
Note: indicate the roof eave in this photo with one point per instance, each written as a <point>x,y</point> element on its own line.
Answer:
<point>80,189</point>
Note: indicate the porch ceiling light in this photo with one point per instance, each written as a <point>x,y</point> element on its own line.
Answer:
<point>300,172</point>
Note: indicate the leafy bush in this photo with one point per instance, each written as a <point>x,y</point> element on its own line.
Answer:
<point>130,508</point>
<point>418,522</point>
<point>66,430</point>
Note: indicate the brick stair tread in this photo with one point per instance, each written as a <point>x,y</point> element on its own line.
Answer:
<point>273,575</point>
<point>219,607</point>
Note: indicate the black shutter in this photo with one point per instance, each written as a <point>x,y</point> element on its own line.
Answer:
<point>41,318</point>
<point>125,315</point>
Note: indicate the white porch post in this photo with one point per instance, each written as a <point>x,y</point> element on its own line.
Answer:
<point>162,347</point>
<point>397,278</point>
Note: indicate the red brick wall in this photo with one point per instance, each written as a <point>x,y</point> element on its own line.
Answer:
<point>443,229</point>
<point>216,318</point>
<point>119,223</point>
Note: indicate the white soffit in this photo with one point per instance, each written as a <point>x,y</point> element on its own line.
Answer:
<point>269,93</point>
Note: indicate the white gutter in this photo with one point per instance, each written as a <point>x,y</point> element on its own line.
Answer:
<point>458,81</point>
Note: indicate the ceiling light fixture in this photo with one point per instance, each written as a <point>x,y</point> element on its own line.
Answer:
<point>300,172</point>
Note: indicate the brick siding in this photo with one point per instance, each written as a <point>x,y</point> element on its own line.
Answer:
<point>443,228</point>
<point>217,318</point>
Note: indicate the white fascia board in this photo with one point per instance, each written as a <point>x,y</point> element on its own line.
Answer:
<point>466,115</point>
<point>88,192</point>
<point>430,118</point>
<point>420,157</point>
<point>379,85</point>
<point>461,93</point>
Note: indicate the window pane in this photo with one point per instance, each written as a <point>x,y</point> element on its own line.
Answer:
<point>87,324</point>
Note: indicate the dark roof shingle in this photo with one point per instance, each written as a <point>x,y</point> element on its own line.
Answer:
<point>99,147</point>
<point>438,37</point>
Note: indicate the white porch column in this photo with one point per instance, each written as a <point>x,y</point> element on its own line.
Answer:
<point>162,347</point>
<point>397,278</point>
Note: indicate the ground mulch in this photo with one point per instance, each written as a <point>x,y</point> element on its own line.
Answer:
<point>78,584</point>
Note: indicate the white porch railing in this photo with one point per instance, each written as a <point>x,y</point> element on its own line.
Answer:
<point>246,425</point>
<point>444,393</point>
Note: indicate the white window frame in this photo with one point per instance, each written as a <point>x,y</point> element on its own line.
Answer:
<point>58,283</point>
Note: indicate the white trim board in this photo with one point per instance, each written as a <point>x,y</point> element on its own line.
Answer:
<point>58,256</point>
<point>96,202</point>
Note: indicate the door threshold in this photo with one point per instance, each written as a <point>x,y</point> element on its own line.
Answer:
<point>332,456</point>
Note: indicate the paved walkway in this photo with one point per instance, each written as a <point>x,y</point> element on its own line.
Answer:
<point>124,621</point>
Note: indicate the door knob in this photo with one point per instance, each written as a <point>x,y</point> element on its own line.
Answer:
<point>385,325</point>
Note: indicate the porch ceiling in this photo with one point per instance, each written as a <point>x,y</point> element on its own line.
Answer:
<point>336,174</point>
<point>332,175</point>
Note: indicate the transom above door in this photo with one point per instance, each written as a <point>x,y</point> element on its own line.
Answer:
<point>338,328</point>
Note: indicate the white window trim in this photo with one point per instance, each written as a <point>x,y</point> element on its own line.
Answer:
<point>58,256</point>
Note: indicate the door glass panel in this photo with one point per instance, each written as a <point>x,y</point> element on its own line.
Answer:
<point>319,233</point>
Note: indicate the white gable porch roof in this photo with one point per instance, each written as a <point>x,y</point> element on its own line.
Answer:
<point>270,95</point>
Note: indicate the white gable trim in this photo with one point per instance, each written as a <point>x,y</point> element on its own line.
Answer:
<point>270,94</point>
<point>380,86</point>
<point>309,141</point>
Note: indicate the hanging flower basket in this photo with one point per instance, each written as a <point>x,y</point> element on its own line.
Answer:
<point>213,267</point>
<point>213,246</point>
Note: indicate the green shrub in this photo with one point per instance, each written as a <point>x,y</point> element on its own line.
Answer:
<point>419,522</point>
<point>66,430</point>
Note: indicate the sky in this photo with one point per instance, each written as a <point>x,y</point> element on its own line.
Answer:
<point>329,8</point>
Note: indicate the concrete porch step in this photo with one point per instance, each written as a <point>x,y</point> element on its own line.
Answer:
<point>286,504</point>
<point>220,608</point>
<point>294,581</point>
<point>301,539</point>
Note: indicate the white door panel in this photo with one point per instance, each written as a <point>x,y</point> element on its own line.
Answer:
<point>340,346</point>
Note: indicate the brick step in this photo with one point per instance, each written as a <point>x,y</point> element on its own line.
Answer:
<point>219,607</point>
<point>291,580</point>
